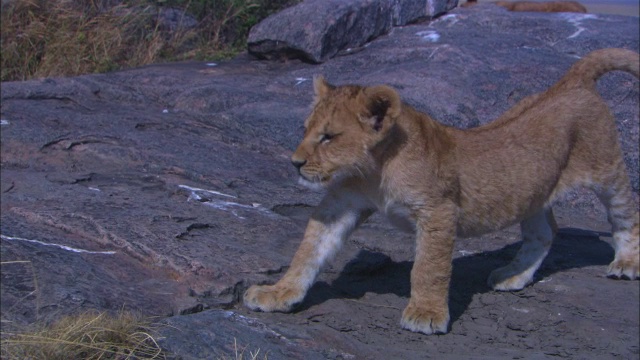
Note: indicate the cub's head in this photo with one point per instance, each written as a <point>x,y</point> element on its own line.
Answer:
<point>345,124</point>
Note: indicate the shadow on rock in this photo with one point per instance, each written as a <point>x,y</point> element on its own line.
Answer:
<point>377,273</point>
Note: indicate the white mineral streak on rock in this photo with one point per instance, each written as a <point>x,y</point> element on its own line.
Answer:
<point>429,35</point>
<point>576,20</point>
<point>223,204</point>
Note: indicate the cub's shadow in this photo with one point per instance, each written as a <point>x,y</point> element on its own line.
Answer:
<point>377,273</point>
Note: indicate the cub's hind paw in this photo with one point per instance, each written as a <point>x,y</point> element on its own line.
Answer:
<point>272,298</point>
<point>426,321</point>
<point>507,279</point>
<point>626,269</point>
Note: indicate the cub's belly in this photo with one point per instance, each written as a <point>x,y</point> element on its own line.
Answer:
<point>400,217</point>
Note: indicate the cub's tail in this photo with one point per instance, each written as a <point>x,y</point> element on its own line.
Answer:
<point>595,64</point>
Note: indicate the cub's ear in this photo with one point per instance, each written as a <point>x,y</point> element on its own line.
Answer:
<point>321,87</point>
<point>381,102</point>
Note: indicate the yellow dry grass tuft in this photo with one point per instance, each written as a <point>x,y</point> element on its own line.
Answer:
<point>60,38</point>
<point>91,335</point>
<point>47,38</point>
<point>239,353</point>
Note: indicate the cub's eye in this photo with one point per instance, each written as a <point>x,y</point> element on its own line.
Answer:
<point>324,138</point>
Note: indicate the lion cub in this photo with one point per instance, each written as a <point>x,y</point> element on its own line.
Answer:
<point>530,6</point>
<point>551,6</point>
<point>373,152</point>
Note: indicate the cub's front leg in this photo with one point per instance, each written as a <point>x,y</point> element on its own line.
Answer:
<point>428,309</point>
<point>335,218</point>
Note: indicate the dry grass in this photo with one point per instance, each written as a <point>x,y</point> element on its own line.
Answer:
<point>97,335</point>
<point>90,335</point>
<point>87,336</point>
<point>47,38</point>
<point>60,38</point>
<point>239,353</point>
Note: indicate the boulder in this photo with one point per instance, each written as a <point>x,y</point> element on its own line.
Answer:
<point>410,11</point>
<point>317,30</point>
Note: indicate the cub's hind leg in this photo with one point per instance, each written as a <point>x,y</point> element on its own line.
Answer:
<point>538,232</point>
<point>615,193</point>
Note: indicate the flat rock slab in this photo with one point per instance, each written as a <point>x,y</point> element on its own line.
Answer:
<point>167,189</point>
<point>235,336</point>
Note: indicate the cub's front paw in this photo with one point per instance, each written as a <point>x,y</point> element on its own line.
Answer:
<point>270,298</point>
<point>425,320</point>
<point>624,268</point>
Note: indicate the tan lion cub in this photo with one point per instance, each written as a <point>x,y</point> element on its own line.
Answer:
<point>374,152</point>
<point>549,6</point>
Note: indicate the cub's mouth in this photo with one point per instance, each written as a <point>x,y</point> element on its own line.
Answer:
<point>313,185</point>
<point>315,182</point>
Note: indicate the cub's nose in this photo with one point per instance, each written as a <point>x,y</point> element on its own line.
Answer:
<point>298,163</point>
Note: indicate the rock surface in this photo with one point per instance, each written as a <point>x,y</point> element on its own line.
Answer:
<point>168,189</point>
<point>344,26</point>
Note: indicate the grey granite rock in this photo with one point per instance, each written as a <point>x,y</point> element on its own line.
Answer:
<point>410,11</point>
<point>317,30</point>
<point>223,334</point>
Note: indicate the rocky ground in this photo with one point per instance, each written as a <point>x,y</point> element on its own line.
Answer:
<point>168,189</point>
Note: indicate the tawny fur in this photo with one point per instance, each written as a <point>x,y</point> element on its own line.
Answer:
<point>373,152</point>
<point>533,6</point>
